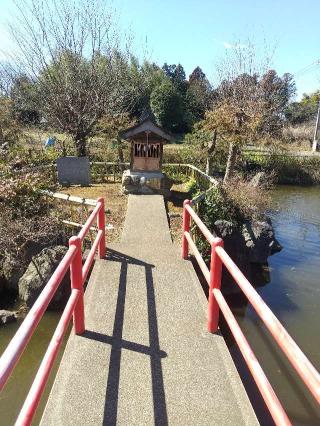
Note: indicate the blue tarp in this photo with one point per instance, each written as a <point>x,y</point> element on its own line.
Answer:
<point>49,142</point>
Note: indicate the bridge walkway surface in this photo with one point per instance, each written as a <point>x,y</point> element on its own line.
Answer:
<point>146,356</point>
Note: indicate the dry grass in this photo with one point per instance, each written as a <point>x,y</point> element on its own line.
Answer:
<point>175,209</point>
<point>248,201</point>
<point>115,202</point>
<point>176,228</point>
<point>299,137</point>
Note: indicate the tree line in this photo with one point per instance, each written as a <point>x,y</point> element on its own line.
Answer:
<point>72,94</point>
<point>176,102</point>
<point>74,72</point>
<point>305,110</point>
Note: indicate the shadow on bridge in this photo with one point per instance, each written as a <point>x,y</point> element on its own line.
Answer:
<point>118,343</point>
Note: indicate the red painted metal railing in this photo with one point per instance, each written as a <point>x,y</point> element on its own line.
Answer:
<point>217,302</point>
<point>74,307</point>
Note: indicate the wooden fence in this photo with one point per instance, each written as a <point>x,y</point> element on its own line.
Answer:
<point>75,209</point>
<point>109,172</point>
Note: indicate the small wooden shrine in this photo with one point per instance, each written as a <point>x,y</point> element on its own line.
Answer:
<point>147,141</point>
<point>145,174</point>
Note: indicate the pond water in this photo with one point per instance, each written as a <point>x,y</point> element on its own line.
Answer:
<point>293,294</point>
<point>16,389</point>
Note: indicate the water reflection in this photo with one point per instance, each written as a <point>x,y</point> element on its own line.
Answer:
<point>291,287</point>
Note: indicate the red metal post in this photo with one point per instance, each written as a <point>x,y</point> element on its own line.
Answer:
<point>215,282</point>
<point>11,355</point>
<point>32,401</point>
<point>102,227</point>
<point>77,283</point>
<point>276,410</point>
<point>297,358</point>
<point>185,228</point>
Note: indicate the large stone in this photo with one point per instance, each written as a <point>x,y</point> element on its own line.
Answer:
<point>248,245</point>
<point>260,239</point>
<point>13,267</point>
<point>73,171</point>
<point>12,270</point>
<point>7,316</point>
<point>38,274</point>
<point>235,246</point>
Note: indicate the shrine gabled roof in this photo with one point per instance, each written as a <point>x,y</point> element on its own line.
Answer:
<point>146,126</point>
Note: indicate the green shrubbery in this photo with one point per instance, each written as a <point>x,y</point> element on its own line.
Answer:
<point>195,148</point>
<point>192,187</point>
<point>236,201</point>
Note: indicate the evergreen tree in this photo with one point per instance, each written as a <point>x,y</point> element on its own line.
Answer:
<point>168,107</point>
<point>24,94</point>
<point>198,96</point>
<point>303,111</point>
<point>197,76</point>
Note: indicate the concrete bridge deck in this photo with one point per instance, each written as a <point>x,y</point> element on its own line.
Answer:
<point>146,357</point>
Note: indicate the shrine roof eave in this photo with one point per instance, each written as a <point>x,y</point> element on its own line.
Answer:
<point>146,126</point>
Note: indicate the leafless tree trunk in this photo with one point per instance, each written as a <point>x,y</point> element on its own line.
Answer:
<point>71,50</point>
<point>315,142</point>
<point>210,152</point>
<point>80,145</point>
<point>120,153</point>
<point>231,162</point>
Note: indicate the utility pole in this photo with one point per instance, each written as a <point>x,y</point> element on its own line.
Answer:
<point>316,131</point>
<point>312,67</point>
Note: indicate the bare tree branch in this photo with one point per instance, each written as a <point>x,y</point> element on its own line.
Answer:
<point>72,51</point>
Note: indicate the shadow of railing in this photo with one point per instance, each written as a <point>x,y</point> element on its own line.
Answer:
<point>118,344</point>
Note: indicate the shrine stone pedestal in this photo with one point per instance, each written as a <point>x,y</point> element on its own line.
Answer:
<point>143,182</point>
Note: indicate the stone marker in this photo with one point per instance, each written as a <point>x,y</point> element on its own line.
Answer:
<point>73,171</point>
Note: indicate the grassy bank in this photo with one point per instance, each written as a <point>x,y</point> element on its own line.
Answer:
<point>286,169</point>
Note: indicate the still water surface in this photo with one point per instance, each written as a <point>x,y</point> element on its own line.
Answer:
<point>293,293</point>
<point>15,392</point>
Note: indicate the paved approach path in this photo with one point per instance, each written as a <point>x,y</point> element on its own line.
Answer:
<point>146,357</point>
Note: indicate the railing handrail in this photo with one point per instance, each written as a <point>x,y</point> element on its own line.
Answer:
<point>296,357</point>
<point>70,198</point>
<point>75,306</point>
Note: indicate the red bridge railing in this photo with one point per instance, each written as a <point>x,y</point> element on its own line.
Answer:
<point>74,307</point>
<point>217,302</point>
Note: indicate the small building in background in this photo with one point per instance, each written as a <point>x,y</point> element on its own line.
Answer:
<point>146,146</point>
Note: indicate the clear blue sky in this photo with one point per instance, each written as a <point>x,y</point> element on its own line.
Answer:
<point>196,32</point>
